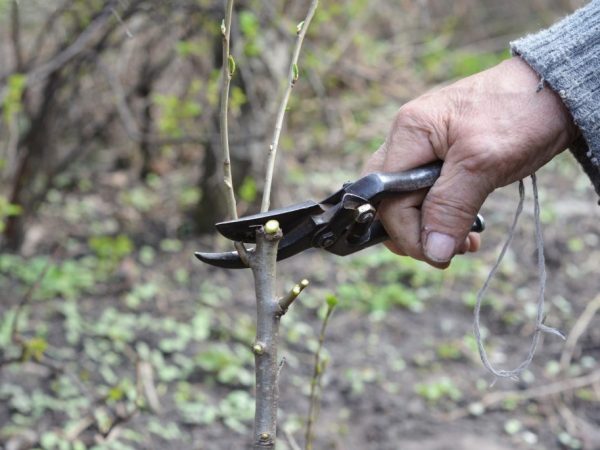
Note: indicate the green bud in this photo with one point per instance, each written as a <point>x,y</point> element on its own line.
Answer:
<point>299,27</point>
<point>223,27</point>
<point>231,65</point>
<point>258,349</point>
<point>294,72</point>
<point>271,227</point>
<point>331,300</point>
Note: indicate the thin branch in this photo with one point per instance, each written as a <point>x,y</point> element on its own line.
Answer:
<point>226,74</point>
<point>41,72</point>
<point>315,382</point>
<point>292,77</point>
<point>577,331</point>
<point>15,33</point>
<point>285,302</point>
<point>555,388</point>
<point>291,440</point>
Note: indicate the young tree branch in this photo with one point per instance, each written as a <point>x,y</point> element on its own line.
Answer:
<point>292,78</point>
<point>315,382</point>
<point>226,73</point>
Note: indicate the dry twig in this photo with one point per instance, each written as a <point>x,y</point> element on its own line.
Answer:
<point>577,331</point>
<point>555,388</point>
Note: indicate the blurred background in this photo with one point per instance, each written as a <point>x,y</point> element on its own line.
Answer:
<point>113,337</point>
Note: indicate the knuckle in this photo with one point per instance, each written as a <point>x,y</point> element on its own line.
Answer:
<point>408,116</point>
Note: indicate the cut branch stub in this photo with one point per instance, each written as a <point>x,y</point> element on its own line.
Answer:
<point>263,264</point>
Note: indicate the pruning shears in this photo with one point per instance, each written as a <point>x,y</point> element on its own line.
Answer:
<point>344,223</point>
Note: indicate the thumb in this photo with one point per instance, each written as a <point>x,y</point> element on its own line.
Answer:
<point>449,210</point>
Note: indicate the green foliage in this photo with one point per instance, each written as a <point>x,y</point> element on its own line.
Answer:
<point>7,209</point>
<point>142,198</point>
<point>440,62</point>
<point>189,196</point>
<point>379,299</point>
<point>67,279</point>
<point>34,348</point>
<point>250,27</point>
<point>175,113</point>
<point>236,408</point>
<point>227,364</point>
<point>12,104</point>
<point>109,251</point>
<point>141,293</point>
<point>435,391</point>
<point>196,48</point>
<point>359,378</point>
<point>248,190</point>
<point>449,351</point>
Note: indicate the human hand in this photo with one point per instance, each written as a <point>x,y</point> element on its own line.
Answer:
<point>491,129</point>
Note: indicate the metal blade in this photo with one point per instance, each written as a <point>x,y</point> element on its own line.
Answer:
<point>226,260</point>
<point>299,239</point>
<point>243,229</point>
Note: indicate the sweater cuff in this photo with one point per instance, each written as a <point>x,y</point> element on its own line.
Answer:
<point>567,58</point>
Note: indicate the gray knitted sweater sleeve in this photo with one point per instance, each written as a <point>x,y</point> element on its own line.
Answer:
<point>567,58</point>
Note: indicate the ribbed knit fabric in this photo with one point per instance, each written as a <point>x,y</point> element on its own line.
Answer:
<point>567,58</point>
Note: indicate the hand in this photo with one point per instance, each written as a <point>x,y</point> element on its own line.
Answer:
<point>491,129</point>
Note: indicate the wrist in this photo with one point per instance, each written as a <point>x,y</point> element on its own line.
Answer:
<point>555,112</point>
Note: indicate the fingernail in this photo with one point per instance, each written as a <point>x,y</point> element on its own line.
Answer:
<point>439,247</point>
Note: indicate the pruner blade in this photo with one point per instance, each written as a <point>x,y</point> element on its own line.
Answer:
<point>296,222</point>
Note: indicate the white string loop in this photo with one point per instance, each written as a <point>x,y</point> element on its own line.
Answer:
<point>541,264</point>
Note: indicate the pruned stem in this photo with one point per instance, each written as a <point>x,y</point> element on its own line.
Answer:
<point>292,77</point>
<point>263,264</point>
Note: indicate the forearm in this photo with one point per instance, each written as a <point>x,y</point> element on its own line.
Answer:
<point>567,58</point>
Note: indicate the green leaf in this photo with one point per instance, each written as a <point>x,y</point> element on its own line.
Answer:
<point>249,24</point>
<point>115,393</point>
<point>34,348</point>
<point>231,62</point>
<point>248,190</point>
<point>13,99</point>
